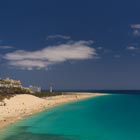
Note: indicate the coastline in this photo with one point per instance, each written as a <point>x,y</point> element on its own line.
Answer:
<point>23,105</point>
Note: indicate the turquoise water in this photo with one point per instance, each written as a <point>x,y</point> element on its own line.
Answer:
<point>113,117</point>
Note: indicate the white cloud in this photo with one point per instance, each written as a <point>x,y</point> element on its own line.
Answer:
<point>135,26</point>
<point>58,36</point>
<point>6,47</point>
<point>117,56</point>
<point>100,48</point>
<point>131,48</point>
<point>29,64</point>
<point>136,29</point>
<point>41,59</point>
<point>133,54</point>
<point>136,32</point>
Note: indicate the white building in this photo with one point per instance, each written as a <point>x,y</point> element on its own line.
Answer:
<point>51,89</point>
<point>34,89</point>
<point>8,83</point>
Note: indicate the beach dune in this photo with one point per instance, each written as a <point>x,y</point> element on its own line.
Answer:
<point>22,105</point>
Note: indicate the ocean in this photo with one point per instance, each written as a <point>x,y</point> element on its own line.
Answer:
<point>111,117</point>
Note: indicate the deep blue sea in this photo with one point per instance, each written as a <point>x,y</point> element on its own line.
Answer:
<point>112,117</point>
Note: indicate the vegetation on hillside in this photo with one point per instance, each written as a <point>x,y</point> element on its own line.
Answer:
<point>5,96</point>
<point>46,94</point>
<point>10,92</point>
<point>14,90</point>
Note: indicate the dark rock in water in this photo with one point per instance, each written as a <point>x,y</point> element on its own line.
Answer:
<point>33,136</point>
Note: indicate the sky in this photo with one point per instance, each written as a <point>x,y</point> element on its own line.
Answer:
<point>75,44</point>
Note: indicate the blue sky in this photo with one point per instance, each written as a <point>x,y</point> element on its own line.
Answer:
<point>77,44</point>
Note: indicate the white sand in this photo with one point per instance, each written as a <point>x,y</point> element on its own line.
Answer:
<point>22,105</point>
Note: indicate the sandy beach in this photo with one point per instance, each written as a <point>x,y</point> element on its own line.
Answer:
<point>19,106</point>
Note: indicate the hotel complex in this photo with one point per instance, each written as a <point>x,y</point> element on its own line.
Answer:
<point>10,83</point>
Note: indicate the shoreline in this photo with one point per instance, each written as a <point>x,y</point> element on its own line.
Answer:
<point>11,114</point>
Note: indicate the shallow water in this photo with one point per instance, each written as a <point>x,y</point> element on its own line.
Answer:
<point>113,117</point>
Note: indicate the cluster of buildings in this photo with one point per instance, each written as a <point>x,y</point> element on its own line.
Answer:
<point>34,89</point>
<point>10,83</point>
